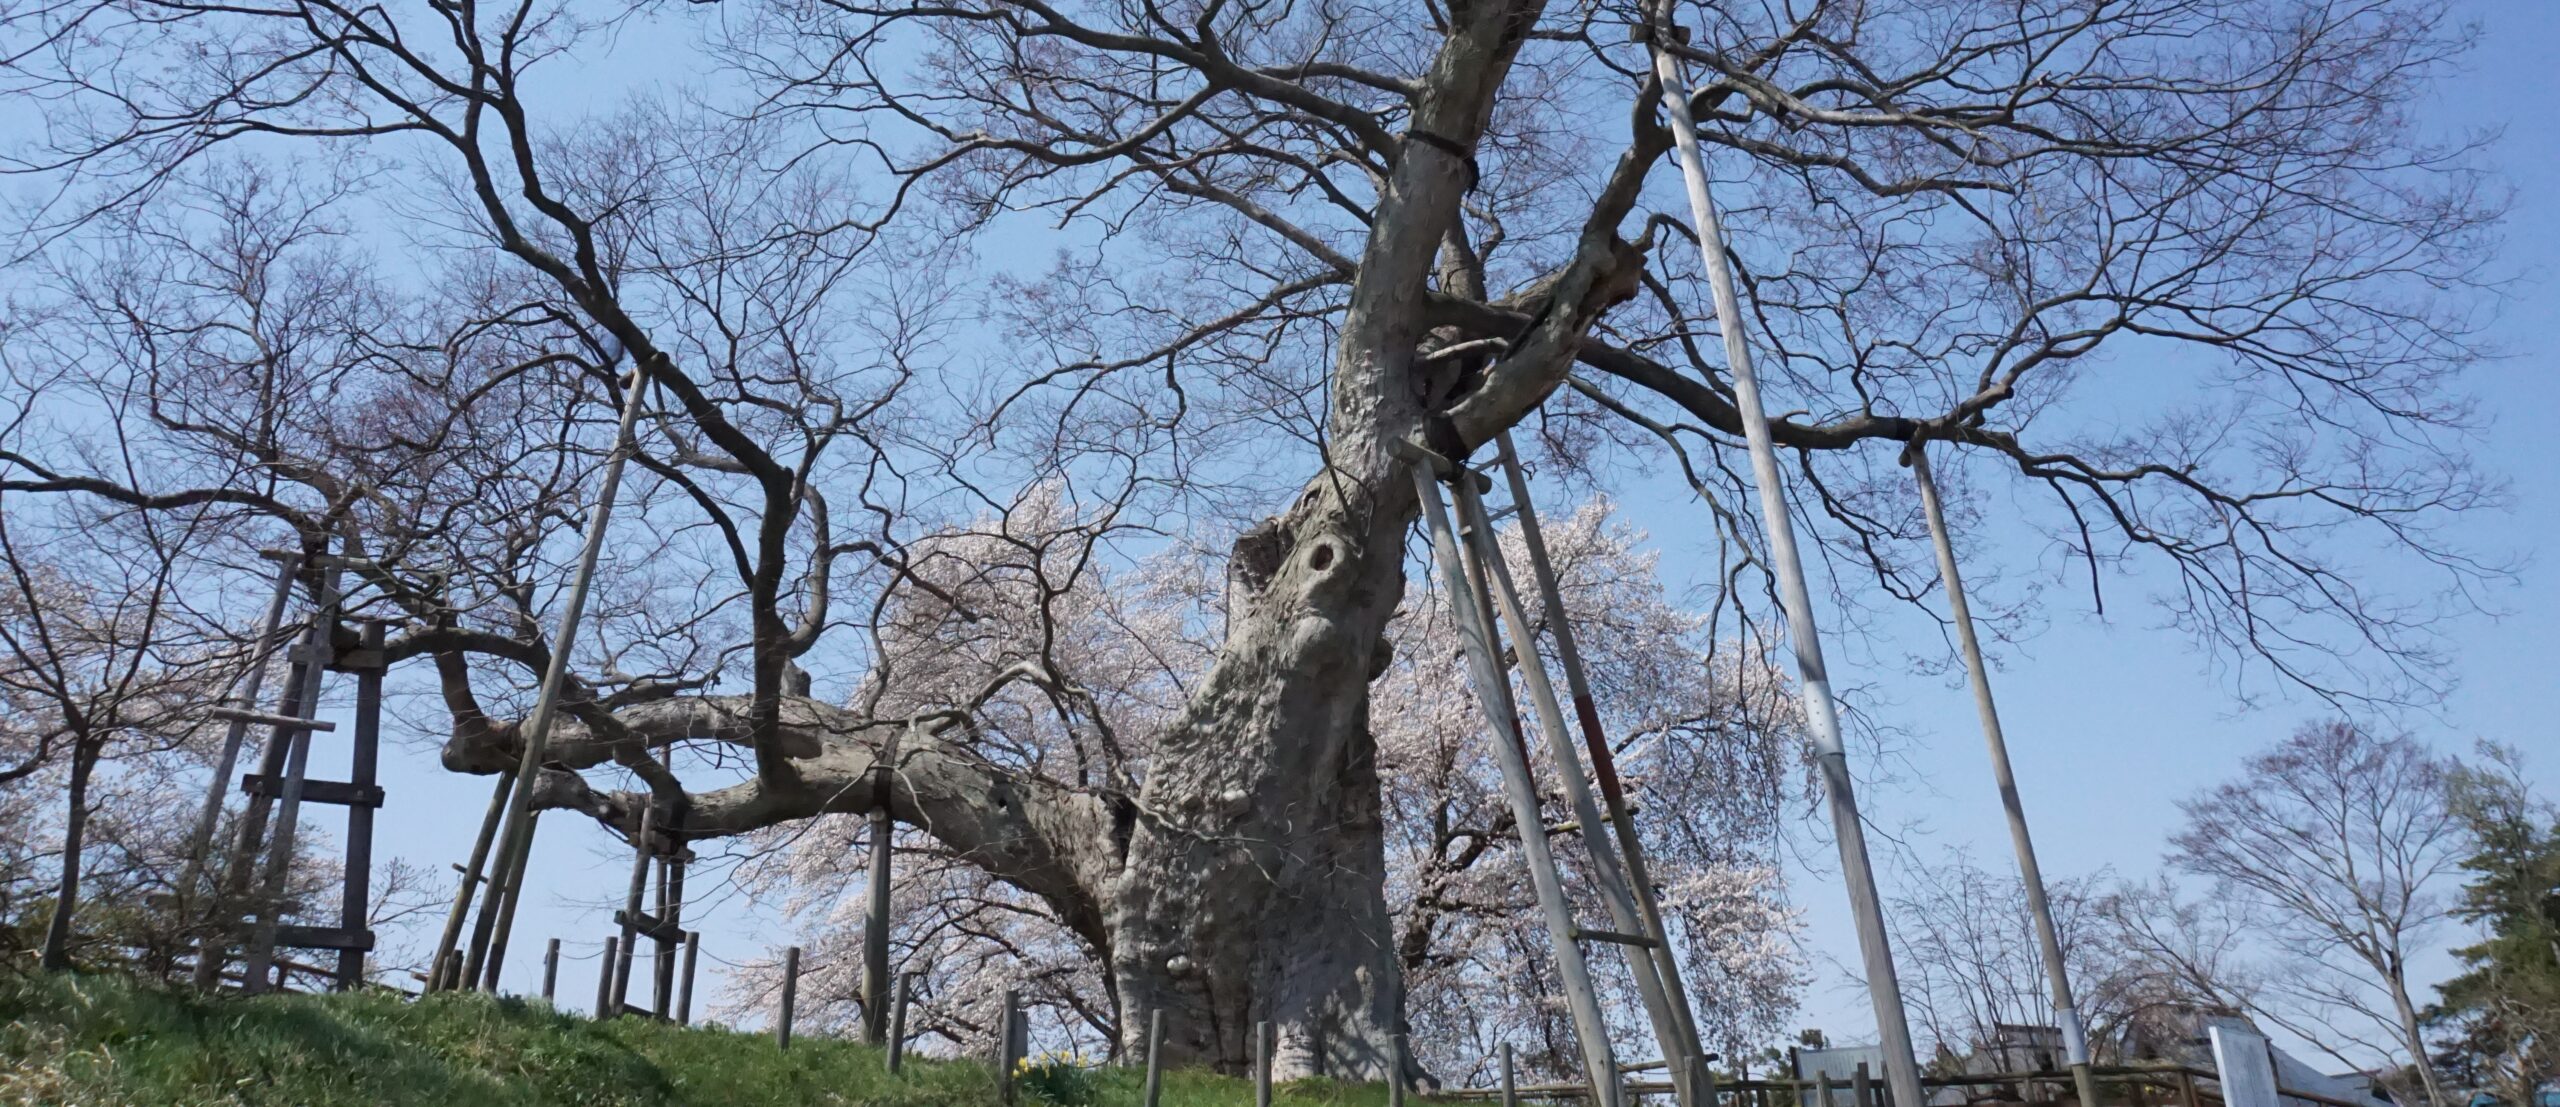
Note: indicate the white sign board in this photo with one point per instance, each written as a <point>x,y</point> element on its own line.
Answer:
<point>2248,1071</point>
<point>1840,1061</point>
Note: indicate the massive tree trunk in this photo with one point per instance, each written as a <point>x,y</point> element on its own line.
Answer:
<point>1252,884</point>
<point>1245,881</point>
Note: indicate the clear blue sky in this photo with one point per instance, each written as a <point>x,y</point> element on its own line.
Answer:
<point>2110,721</point>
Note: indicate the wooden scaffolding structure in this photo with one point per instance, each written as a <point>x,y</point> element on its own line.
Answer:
<point>657,862</point>
<point>245,913</point>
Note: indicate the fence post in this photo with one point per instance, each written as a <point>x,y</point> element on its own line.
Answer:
<point>1155,1055</point>
<point>898,1019</point>
<point>790,993</point>
<point>684,989</point>
<point>1007,1029</point>
<point>1262,1064</point>
<point>604,973</point>
<point>550,969</point>
<point>1822,1088</point>
<point>1510,1086</point>
<point>1860,1091</point>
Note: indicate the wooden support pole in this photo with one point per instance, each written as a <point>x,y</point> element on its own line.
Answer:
<point>1474,621</point>
<point>1510,1082</point>
<point>1822,713</point>
<point>1155,1056</point>
<point>516,838</point>
<point>2075,1036</point>
<point>355,900</point>
<point>1006,1032</point>
<point>447,972</point>
<point>225,912</point>
<point>475,971</point>
<point>268,910</point>
<point>550,969</point>
<point>604,976</point>
<point>875,928</point>
<point>1861,1089</point>
<point>1262,1064</point>
<point>1475,525</point>
<point>1604,761</point>
<point>498,914</point>
<point>234,736</point>
<point>670,917</point>
<point>898,1020</point>
<point>1822,1088</point>
<point>684,989</point>
<point>632,902</point>
<point>790,996</point>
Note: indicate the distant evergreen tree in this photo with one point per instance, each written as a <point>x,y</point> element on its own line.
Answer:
<point>2499,1021</point>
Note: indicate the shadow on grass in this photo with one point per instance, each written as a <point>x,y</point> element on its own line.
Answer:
<point>111,1041</point>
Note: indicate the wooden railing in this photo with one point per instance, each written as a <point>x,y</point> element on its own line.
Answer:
<point>2151,1085</point>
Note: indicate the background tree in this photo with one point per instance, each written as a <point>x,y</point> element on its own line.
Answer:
<point>1297,238</point>
<point>1966,948</point>
<point>2341,838</point>
<point>98,661</point>
<point>2498,1020</point>
<point>2175,957</point>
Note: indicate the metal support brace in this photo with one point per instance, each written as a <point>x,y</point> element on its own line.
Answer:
<point>1493,690</point>
<point>1476,526</point>
<point>1822,713</point>
<point>2075,1037</point>
<point>1604,766</point>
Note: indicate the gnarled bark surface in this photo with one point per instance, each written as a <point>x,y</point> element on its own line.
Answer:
<point>1244,881</point>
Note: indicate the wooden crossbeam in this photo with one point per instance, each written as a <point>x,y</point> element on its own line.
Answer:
<point>324,937</point>
<point>316,791</point>
<point>261,718</point>
<point>1582,934</point>
<point>357,661</point>
<point>649,926</point>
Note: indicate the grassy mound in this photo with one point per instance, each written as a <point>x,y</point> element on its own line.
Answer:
<point>107,1041</point>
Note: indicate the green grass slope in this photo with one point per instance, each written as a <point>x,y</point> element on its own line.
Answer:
<point>107,1041</point>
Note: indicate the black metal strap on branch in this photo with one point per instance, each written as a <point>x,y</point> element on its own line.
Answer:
<point>1451,147</point>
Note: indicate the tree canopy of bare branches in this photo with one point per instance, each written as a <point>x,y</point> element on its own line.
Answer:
<point>1288,238</point>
